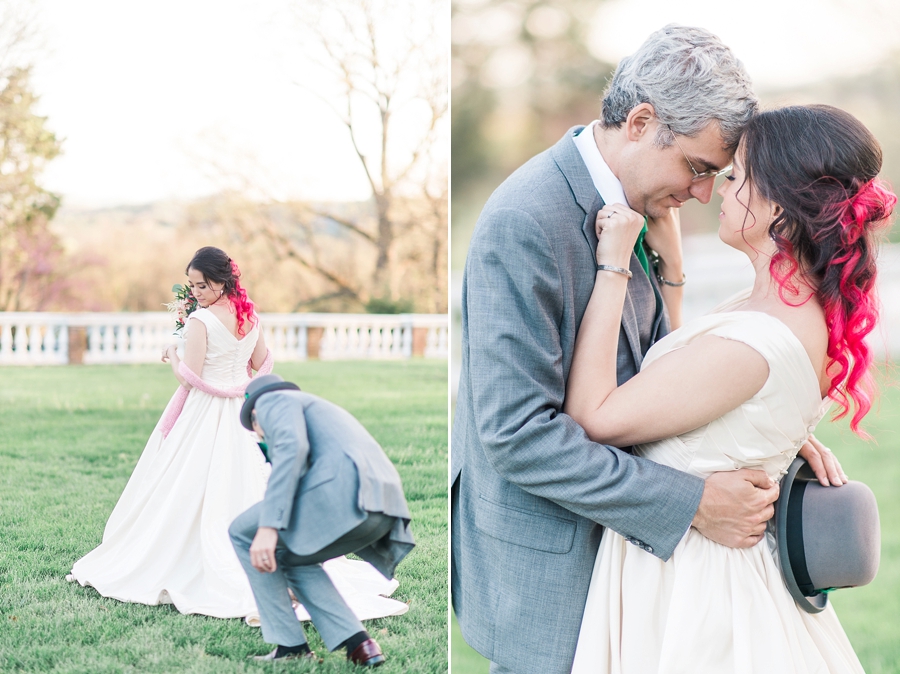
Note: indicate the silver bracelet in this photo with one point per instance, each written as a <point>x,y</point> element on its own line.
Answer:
<point>617,270</point>
<point>667,282</point>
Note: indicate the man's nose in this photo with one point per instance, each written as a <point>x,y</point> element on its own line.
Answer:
<point>702,190</point>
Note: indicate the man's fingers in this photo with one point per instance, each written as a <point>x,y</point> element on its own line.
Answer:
<point>748,541</point>
<point>770,494</point>
<point>758,478</point>
<point>262,561</point>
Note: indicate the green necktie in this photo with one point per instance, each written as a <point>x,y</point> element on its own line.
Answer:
<point>639,249</point>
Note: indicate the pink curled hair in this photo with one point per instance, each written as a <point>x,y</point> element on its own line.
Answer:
<point>819,164</point>
<point>846,292</point>
<point>244,308</point>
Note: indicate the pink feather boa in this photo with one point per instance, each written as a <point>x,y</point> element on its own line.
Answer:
<point>173,410</point>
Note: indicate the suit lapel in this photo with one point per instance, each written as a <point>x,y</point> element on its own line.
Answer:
<point>636,293</point>
<point>588,228</point>
<point>572,166</point>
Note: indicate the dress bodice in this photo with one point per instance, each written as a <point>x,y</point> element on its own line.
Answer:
<point>225,365</point>
<point>764,432</point>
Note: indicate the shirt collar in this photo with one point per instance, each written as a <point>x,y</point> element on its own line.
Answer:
<point>604,180</point>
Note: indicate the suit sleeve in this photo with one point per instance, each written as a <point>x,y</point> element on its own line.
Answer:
<point>283,421</point>
<point>515,299</point>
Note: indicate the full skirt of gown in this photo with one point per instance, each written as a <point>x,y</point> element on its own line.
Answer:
<point>709,608</point>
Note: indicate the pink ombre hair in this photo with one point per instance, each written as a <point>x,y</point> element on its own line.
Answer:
<point>217,267</point>
<point>820,164</point>
<point>244,308</point>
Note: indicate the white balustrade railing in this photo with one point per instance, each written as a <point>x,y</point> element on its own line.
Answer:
<point>354,337</point>
<point>437,339</point>
<point>44,338</point>
<point>124,337</point>
<point>33,339</point>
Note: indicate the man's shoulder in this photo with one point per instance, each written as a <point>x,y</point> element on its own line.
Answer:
<point>542,187</point>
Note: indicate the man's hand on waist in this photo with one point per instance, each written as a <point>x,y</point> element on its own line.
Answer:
<point>735,507</point>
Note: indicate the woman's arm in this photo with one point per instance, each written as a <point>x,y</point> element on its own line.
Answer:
<point>664,237</point>
<point>258,357</point>
<point>681,391</point>
<point>194,351</point>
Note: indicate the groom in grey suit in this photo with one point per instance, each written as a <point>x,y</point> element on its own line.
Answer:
<point>332,491</point>
<point>530,492</point>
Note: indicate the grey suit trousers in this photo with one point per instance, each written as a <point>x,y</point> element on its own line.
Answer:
<point>305,576</point>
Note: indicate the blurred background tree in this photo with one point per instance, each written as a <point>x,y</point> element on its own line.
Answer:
<point>29,252</point>
<point>31,269</point>
<point>521,72</point>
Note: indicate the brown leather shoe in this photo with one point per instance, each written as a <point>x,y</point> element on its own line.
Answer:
<point>308,655</point>
<point>367,654</point>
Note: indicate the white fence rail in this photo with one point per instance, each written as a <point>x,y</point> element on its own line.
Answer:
<point>33,339</point>
<point>103,338</point>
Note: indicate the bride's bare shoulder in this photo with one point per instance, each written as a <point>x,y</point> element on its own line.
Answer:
<point>807,322</point>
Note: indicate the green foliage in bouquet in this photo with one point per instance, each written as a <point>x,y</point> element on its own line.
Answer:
<point>182,306</point>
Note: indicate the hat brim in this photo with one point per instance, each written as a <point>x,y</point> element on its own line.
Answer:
<point>247,407</point>
<point>799,470</point>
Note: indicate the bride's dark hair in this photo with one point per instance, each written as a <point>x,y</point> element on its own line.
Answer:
<point>217,267</point>
<point>820,164</point>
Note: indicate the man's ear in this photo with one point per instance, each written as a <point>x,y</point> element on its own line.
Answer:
<point>639,122</point>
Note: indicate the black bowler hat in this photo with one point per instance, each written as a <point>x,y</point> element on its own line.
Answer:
<point>257,387</point>
<point>828,537</point>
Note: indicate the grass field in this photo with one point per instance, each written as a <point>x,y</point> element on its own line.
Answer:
<point>870,614</point>
<point>69,439</point>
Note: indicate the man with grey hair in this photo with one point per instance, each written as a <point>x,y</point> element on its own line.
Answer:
<point>530,492</point>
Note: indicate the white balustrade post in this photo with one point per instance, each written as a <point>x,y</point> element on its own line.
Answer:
<point>6,344</point>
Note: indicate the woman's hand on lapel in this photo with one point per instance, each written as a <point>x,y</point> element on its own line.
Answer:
<point>617,228</point>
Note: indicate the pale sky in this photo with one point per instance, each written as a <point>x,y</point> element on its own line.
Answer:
<point>781,42</point>
<point>145,94</point>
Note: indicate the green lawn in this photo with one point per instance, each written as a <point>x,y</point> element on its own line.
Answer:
<point>69,439</point>
<point>871,614</point>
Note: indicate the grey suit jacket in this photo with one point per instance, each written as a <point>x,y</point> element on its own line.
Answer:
<point>327,473</point>
<point>530,491</point>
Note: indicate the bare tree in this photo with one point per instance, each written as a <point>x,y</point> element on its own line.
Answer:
<point>386,59</point>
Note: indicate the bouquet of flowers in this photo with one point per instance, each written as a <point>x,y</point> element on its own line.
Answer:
<point>182,306</point>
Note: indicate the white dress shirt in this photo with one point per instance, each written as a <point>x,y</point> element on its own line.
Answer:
<point>607,184</point>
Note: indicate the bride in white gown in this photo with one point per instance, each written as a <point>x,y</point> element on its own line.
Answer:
<point>167,541</point>
<point>742,387</point>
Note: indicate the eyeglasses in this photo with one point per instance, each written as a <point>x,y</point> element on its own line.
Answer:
<point>712,173</point>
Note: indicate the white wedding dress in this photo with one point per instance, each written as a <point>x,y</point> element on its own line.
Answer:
<point>710,608</point>
<point>167,538</point>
